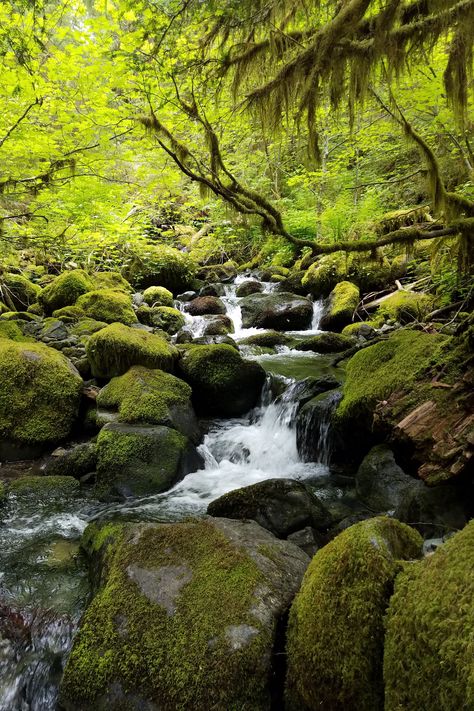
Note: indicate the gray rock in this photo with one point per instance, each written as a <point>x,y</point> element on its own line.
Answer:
<point>434,511</point>
<point>76,461</point>
<point>249,287</point>
<point>202,305</point>
<point>380,483</point>
<point>212,290</point>
<point>282,312</point>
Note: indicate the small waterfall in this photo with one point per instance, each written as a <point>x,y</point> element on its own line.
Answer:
<point>318,310</point>
<point>314,428</point>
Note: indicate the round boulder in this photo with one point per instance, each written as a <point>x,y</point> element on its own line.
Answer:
<point>202,305</point>
<point>281,312</point>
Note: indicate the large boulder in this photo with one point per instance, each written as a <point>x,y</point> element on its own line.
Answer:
<point>343,301</point>
<point>246,288</point>
<point>186,616</point>
<point>326,343</point>
<point>65,290</point>
<point>322,276</point>
<point>166,318</point>
<point>135,460</point>
<point>336,626</point>
<point>380,483</point>
<point>159,265</point>
<point>19,290</point>
<point>223,382</point>
<point>108,305</point>
<point>282,506</point>
<point>113,350</point>
<point>435,511</point>
<point>428,660</point>
<point>152,397</point>
<point>202,305</point>
<point>157,296</point>
<point>40,392</point>
<point>282,311</point>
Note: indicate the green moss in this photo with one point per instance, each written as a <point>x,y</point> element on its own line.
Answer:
<point>113,350</point>
<point>18,316</point>
<point>143,395</point>
<point>108,305</point>
<point>10,330</point>
<point>65,290</point>
<point>335,631</point>
<point>322,276</point>
<point>222,382</point>
<point>168,319</point>
<point>87,326</point>
<point>428,660</point>
<point>157,296</point>
<point>3,308</point>
<point>406,306</point>
<point>36,309</point>
<point>343,301</point>
<point>111,280</point>
<point>353,328</point>
<point>69,313</point>
<point>153,264</point>
<point>44,488</point>
<point>176,659</point>
<point>326,343</point>
<point>39,393</point>
<point>268,339</point>
<point>375,372</point>
<point>21,291</point>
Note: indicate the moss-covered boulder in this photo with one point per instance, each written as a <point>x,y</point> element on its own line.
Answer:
<point>113,350</point>
<point>279,311</point>
<point>135,460</point>
<point>219,325</point>
<point>186,617</point>
<point>361,329</point>
<point>343,301</point>
<point>65,290</point>
<point>69,313</point>
<point>406,306</point>
<point>44,489</point>
<point>246,288</point>
<point>336,628</point>
<point>428,660</point>
<point>202,305</point>
<point>153,397</point>
<point>268,339</point>
<point>86,327</point>
<point>223,383</point>
<point>75,461</point>
<point>326,343</point>
<point>158,296</point>
<point>282,506</point>
<point>322,276</point>
<point>111,280</point>
<point>160,265</point>
<point>21,292</point>
<point>166,318</point>
<point>11,330</point>
<point>39,395</point>
<point>108,305</point>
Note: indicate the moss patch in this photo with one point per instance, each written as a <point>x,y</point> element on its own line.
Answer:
<point>343,301</point>
<point>166,318</point>
<point>406,306</point>
<point>21,291</point>
<point>69,313</point>
<point>153,264</point>
<point>113,350</point>
<point>44,488</point>
<point>430,628</point>
<point>335,633</point>
<point>11,330</point>
<point>111,280</point>
<point>39,393</point>
<point>108,305</point>
<point>157,296</point>
<point>65,290</point>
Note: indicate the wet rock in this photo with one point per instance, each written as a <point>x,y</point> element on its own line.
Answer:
<point>223,383</point>
<point>435,511</point>
<point>317,440</point>
<point>76,461</point>
<point>218,325</point>
<point>381,484</point>
<point>212,290</point>
<point>326,343</point>
<point>268,339</point>
<point>282,312</point>
<point>187,296</point>
<point>306,539</point>
<point>202,305</point>
<point>336,625</point>
<point>246,288</point>
<point>187,615</point>
<point>282,506</point>
<point>134,460</point>
<point>343,301</point>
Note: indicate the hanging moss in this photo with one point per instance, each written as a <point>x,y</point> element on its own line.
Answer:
<point>428,661</point>
<point>65,290</point>
<point>108,305</point>
<point>113,350</point>
<point>335,631</point>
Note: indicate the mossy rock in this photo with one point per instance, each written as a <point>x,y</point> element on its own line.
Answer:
<point>326,343</point>
<point>428,660</point>
<point>223,383</point>
<point>343,301</point>
<point>152,397</point>
<point>136,460</point>
<point>3,308</point>
<point>322,276</point>
<point>375,372</point>
<point>219,325</point>
<point>160,265</point>
<point>248,287</point>
<point>69,313</point>
<point>76,461</point>
<point>336,629</point>
<point>158,296</point>
<point>111,280</point>
<point>114,349</point>
<point>21,291</point>
<point>361,328</point>
<point>34,308</point>
<point>39,393</point>
<point>202,305</point>
<point>87,326</point>
<point>11,330</point>
<point>212,273</point>
<point>186,617</point>
<point>44,488</point>
<point>406,306</point>
<point>278,311</point>
<point>108,305</point>
<point>166,318</point>
<point>18,316</point>
<point>269,339</point>
<point>65,290</point>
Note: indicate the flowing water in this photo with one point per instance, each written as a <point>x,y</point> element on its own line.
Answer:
<point>43,580</point>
